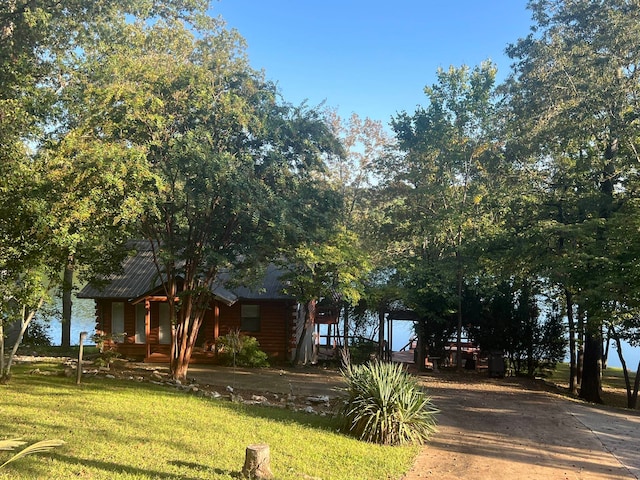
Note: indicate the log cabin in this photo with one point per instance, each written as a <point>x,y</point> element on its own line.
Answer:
<point>132,313</point>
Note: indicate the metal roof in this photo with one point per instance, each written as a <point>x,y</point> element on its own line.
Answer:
<point>139,277</point>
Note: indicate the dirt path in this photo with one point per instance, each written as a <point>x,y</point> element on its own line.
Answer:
<point>488,428</point>
<point>509,429</point>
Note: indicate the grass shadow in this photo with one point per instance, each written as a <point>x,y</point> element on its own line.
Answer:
<point>113,467</point>
<point>198,466</point>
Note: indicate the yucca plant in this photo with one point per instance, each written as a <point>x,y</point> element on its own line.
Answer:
<point>39,447</point>
<point>386,405</point>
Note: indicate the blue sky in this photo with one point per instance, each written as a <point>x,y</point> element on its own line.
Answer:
<point>371,57</point>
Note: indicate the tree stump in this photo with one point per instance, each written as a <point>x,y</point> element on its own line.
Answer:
<point>257,462</point>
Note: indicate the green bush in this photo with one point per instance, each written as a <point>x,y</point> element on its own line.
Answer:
<point>36,336</point>
<point>240,350</point>
<point>386,405</point>
<point>362,350</point>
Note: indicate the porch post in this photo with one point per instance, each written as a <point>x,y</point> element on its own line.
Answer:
<point>216,326</point>
<point>390,335</point>
<point>381,333</point>
<point>147,326</point>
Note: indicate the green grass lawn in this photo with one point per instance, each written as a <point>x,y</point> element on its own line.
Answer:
<point>129,430</point>
<point>614,389</point>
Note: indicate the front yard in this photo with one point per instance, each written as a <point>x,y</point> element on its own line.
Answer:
<point>123,429</point>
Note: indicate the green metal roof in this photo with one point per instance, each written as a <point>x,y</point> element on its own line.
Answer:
<point>139,277</point>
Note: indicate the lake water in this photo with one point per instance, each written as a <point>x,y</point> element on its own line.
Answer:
<point>83,319</point>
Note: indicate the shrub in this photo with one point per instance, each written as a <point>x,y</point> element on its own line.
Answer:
<point>107,347</point>
<point>36,336</point>
<point>386,405</point>
<point>363,350</point>
<point>241,350</point>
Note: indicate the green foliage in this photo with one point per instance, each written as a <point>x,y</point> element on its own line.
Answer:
<point>36,335</point>
<point>572,122</point>
<point>107,347</point>
<point>241,350</point>
<point>444,186</point>
<point>507,318</point>
<point>362,350</point>
<point>335,268</point>
<point>222,163</point>
<point>65,195</point>
<point>386,405</point>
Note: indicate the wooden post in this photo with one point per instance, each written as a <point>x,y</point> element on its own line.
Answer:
<point>257,462</point>
<point>83,335</point>
<point>147,327</point>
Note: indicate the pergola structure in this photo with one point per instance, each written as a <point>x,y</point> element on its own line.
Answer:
<point>398,315</point>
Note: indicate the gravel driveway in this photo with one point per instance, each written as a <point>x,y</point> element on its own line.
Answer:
<point>513,429</point>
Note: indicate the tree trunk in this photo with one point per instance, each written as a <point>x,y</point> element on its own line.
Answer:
<point>636,387</point>
<point>591,384</point>
<point>185,341</point>
<point>381,349</point>
<point>5,374</point>
<point>605,353</point>
<point>184,336</point>
<point>421,355</point>
<point>573,372</point>
<point>580,343</point>
<point>67,288</point>
<point>1,349</point>
<point>345,334</point>
<point>632,396</point>
<point>459,327</point>
<point>309,319</point>
<point>257,462</point>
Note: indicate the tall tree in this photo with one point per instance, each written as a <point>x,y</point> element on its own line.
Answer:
<point>442,177</point>
<point>575,89</point>
<point>353,174</point>
<point>228,160</point>
<point>334,271</point>
<point>42,41</point>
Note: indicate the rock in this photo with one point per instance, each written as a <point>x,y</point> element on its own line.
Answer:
<point>109,376</point>
<point>318,399</point>
<point>259,398</point>
<point>229,389</point>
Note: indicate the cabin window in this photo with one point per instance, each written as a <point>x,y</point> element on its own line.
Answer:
<point>141,314</point>
<point>250,318</point>
<point>117,321</point>
<point>164,324</point>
